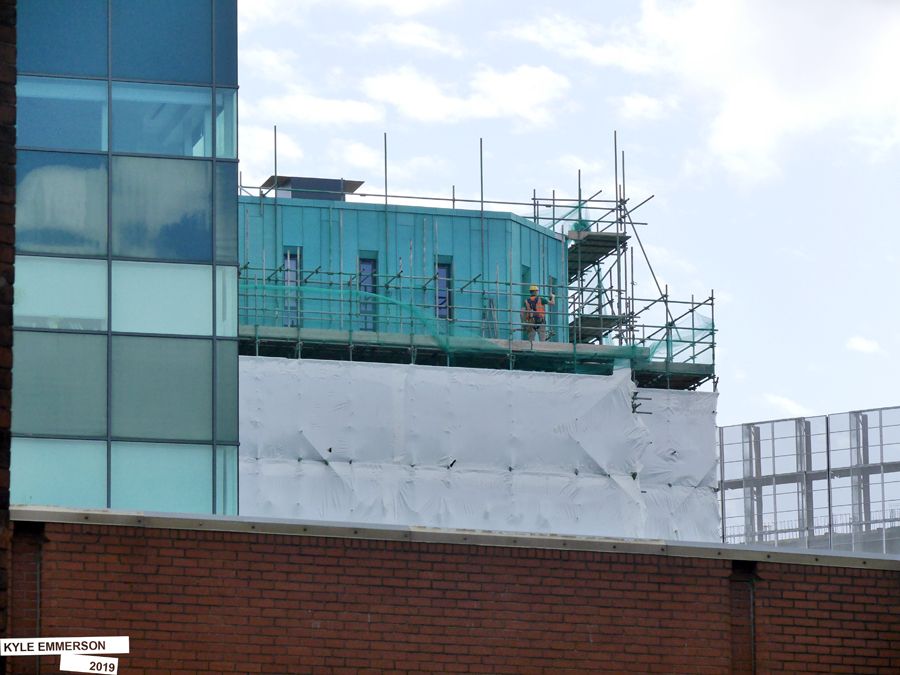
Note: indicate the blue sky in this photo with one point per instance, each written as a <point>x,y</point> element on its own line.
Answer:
<point>768,131</point>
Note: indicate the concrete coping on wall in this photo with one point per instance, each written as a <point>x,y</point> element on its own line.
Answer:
<point>425,535</point>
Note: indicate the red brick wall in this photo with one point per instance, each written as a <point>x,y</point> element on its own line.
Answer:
<point>196,601</point>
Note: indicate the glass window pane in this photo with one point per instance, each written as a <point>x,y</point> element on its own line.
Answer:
<point>226,123</point>
<point>226,212</point>
<point>162,208</point>
<point>226,42</point>
<point>161,298</point>
<point>161,388</point>
<point>160,477</point>
<point>226,480</point>
<point>60,293</point>
<point>60,384</point>
<point>60,203</point>
<point>51,37</point>
<point>226,301</point>
<point>61,114</point>
<point>162,120</point>
<point>227,391</point>
<point>166,40</point>
<point>67,473</point>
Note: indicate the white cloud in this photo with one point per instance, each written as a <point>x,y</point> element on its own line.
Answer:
<point>524,94</point>
<point>787,407</point>
<point>257,154</point>
<point>270,64</point>
<point>413,34</point>
<point>298,105</point>
<point>264,13</point>
<point>643,107</point>
<point>402,7</point>
<point>356,155</point>
<point>858,343</point>
<point>767,70</point>
<point>349,155</point>
<point>576,39</point>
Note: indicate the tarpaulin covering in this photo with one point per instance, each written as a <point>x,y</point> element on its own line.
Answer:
<point>474,449</point>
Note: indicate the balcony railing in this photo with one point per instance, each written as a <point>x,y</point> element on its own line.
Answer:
<point>484,314</point>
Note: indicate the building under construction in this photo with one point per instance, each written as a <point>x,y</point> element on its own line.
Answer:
<point>596,422</point>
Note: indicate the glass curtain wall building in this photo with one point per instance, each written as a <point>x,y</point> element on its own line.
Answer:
<point>125,381</point>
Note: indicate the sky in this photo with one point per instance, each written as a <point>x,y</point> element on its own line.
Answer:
<point>767,131</point>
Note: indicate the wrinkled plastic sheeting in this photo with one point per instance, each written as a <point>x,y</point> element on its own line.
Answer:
<point>444,447</point>
<point>683,427</point>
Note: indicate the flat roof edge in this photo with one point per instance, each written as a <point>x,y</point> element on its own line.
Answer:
<point>243,524</point>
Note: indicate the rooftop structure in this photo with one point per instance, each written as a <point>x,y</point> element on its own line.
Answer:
<point>443,282</point>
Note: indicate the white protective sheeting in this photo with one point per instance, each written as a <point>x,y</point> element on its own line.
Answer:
<point>459,448</point>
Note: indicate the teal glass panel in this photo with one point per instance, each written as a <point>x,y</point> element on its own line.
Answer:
<point>226,123</point>
<point>60,384</point>
<point>161,477</point>
<point>161,298</point>
<point>226,212</point>
<point>226,480</point>
<point>227,391</point>
<point>61,114</point>
<point>226,42</point>
<point>163,40</point>
<point>162,120</point>
<point>161,388</point>
<point>61,203</point>
<point>66,473</point>
<point>162,208</point>
<point>59,37</point>
<point>226,301</point>
<point>60,293</point>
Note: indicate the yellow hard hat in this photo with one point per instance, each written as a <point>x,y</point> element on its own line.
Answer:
<point>533,288</point>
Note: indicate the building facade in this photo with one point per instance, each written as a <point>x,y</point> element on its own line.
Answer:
<point>126,307</point>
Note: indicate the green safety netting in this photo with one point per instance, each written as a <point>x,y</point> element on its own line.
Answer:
<point>480,323</point>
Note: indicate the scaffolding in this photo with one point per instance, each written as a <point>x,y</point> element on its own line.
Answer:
<point>596,324</point>
<point>825,482</point>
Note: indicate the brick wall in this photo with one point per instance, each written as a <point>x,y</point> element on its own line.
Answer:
<point>7,243</point>
<point>198,601</point>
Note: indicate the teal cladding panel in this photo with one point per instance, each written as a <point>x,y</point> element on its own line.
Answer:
<point>407,242</point>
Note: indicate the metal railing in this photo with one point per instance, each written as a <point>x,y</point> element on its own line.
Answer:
<point>491,311</point>
<point>830,481</point>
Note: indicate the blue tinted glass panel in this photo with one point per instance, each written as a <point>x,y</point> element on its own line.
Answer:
<point>61,203</point>
<point>226,123</point>
<point>60,384</point>
<point>368,273</point>
<point>162,120</point>
<point>443,291</point>
<point>161,477</point>
<point>162,208</point>
<point>226,42</point>
<point>161,298</point>
<point>61,114</point>
<point>61,37</point>
<point>162,388</point>
<point>226,212</point>
<point>165,40</point>
<point>226,480</point>
<point>226,301</point>
<point>227,391</point>
<point>66,473</point>
<point>60,293</point>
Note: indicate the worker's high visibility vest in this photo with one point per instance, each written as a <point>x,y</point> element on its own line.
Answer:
<point>536,307</point>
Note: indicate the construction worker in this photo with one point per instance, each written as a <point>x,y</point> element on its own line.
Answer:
<point>534,314</point>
